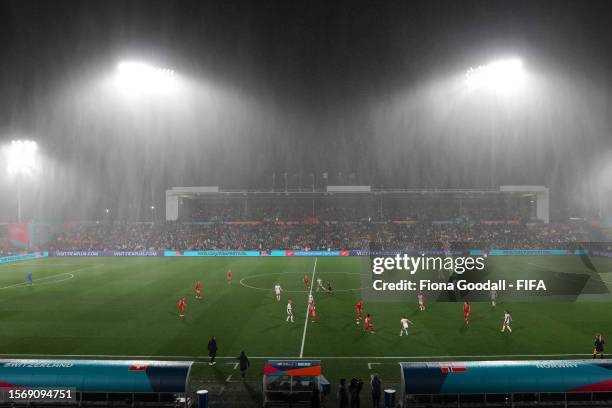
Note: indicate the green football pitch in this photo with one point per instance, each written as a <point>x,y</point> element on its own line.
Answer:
<point>127,308</point>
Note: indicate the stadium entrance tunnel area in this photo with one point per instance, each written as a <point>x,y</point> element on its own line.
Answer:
<point>127,308</point>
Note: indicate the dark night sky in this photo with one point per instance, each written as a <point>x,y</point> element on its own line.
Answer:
<point>303,52</point>
<point>314,66</point>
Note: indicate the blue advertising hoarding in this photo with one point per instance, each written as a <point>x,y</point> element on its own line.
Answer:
<point>105,253</point>
<point>506,377</point>
<point>97,375</point>
<point>23,257</point>
<point>211,253</point>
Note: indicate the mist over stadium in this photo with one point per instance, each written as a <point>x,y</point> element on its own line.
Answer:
<point>201,196</point>
<point>372,99</point>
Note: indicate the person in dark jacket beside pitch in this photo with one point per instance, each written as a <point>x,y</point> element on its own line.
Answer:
<point>598,346</point>
<point>212,350</point>
<point>343,395</point>
<point>376,390</point>
<point>315,399</point>
<point>354,390</point>
<point>243,363</point>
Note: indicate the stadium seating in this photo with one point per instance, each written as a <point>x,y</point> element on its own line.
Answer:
<point>314,235</point>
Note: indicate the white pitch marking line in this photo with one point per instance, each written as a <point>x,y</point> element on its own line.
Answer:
<point>371,364</point>
<point>229,377</point>
<point>38,282</point>
<point>71,273</point>
<point>206,358</point>
<point>314,269</point>
<point>247,278</point>
<point>44,266</point>
<point>236,366</point>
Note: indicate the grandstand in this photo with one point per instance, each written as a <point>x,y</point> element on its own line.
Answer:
<point>359,203</point>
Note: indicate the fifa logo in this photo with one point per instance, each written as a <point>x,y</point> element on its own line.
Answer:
<point>530,284</point>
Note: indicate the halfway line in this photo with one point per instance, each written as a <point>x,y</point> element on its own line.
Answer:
<point>314,268</point>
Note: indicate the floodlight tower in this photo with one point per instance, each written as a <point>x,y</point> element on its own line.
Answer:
<point>22,161</point>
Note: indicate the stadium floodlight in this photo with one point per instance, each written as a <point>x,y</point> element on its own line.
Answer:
<point>21,160</point>
<point>504,76</point>
<point>137,78</point>
<point>21,157</point>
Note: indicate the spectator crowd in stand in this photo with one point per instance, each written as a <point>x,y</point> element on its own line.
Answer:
<point>6,248</point>
<point>313,235</point>
<point>354,208</point>
<point>327,223</point>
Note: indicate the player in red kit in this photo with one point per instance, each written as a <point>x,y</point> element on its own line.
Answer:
<point>229,276</point>
<point>306,281</point>
<point>181,306</point>
<point>313,312</point>
<point>367,325</point>
<point>198,290</point>
<point>359,309</point>
<point>466,312</point>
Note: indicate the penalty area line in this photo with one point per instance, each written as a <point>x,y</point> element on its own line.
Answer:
<point>47,280</point>
<point>314,269</point>
<point>42,281</point>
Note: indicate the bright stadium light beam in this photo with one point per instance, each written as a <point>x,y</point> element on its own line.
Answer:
<point>21,161</point>
<point>139,78</point>
<point>21,157</point>
<point>503,76</point>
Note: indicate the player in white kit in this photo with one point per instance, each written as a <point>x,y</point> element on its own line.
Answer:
<point>404,324</point>
<point>320,284</point>
<point>289,311</point>
<point>310,299</point>
<point>277,291</point>
<point>493,297</point>
<point>421,298</point>
<point>507,321</point>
